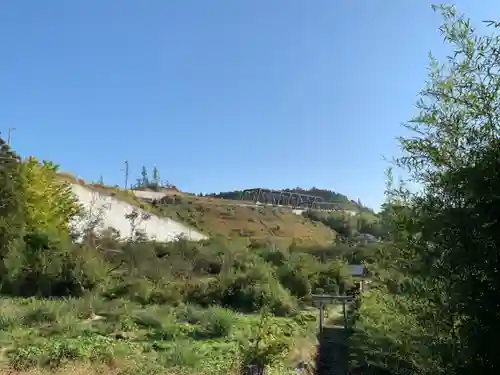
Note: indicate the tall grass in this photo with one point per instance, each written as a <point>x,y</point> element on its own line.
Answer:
<point>91,333</point>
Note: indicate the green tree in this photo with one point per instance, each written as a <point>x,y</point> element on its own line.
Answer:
<point>49,204</point>
<point>454,156</point>
<point>43,262</point>
<point>11,205</point>
<point>143,181</point>
<point>156,176</point>
<point>446,237</point>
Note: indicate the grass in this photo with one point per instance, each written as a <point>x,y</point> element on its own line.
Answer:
<point>226,218</point>
<point>91,335</point>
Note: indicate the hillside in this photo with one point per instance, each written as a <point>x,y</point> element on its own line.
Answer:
<point>104,210</point>
<point>218,217</point>
<point>222,217</point>
<point>342,202</point>
<point>146,306</point>
<point>151,304</point>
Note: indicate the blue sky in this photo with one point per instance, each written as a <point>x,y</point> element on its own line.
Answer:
<point>219,94</point>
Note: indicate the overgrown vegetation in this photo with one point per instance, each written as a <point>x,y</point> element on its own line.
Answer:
<point>142,306</point>
<point>435,308</point>
<point>350,228</point>
<point>134,337</point>
<point>238,298</point>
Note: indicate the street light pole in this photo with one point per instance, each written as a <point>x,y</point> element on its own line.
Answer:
<point>9,135</point>
<point>126,174</point>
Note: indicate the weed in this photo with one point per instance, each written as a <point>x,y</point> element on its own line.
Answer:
<point>215,322</point>
<point>40,312</point>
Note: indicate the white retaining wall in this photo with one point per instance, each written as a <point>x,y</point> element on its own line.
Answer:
<point>112,212</point>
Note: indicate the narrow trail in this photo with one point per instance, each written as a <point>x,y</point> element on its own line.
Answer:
<point>333,354</point>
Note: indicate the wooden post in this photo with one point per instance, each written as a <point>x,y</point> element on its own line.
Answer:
<point>321,316</point>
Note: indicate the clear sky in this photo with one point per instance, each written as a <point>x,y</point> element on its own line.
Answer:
<point>219,94</point>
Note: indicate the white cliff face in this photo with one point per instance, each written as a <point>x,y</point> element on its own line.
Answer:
<point>108,212</point>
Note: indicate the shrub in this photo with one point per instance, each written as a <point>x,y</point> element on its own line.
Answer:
<point>53,352</point>
<point>299,273</point>
<point>250,291</point>
<point>333,278</point>
<point>275,257</point>
<point>46,266</point>
<point>204,292</point>
<point>169,292</point>
<point>138,289</point>
<point>181,355</point>
<point>270,343</point>
<point>296,281</point>
<point>162,325</point>
<point>9,314</point>
<point>41,313</point>
<point>215,322</point>
<point>390,333</point>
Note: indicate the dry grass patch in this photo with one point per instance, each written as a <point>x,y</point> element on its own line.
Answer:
<point>232,219</point>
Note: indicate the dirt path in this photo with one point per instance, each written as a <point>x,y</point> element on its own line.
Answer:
<point>332,353</point>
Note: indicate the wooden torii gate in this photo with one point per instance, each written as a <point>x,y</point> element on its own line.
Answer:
<point>324,299</point>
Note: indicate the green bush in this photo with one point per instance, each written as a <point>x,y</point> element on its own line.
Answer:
<point>181,355</point>
<point>333,278</point>
<point>296,281</point>
<point>54,352</point>
<point>41,313</point>
<point>298,273</point>
<point>275,257</point>
<point>138,289</point>
<point>215,322</point>
<point>204,292</point>
<point>47,266</point>
<point>252,290</point>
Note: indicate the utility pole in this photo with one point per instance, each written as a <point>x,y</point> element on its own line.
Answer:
<point>126,174</point>
<point>9,135</point>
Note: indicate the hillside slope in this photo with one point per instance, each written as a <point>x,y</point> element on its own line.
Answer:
<point>208,216</point>
<point>232,219</point>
